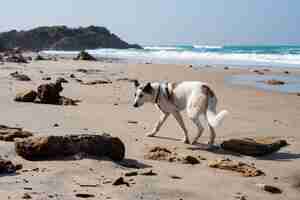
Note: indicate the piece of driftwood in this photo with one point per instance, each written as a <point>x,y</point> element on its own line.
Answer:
<point>253,146</point>
<point>47,147</point>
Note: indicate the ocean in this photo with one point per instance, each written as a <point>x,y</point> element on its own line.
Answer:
<point>264,56</point>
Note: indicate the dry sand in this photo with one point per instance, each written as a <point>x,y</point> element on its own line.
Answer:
<point>108,108</point>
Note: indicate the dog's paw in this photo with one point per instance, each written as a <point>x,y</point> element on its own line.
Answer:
<point>185,140</point>
<point>194,142</point>
<point>150,134</point>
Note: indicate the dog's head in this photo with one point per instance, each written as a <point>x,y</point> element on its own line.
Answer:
<point>143,93</point>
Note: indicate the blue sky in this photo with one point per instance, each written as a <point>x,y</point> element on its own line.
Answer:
<point>215,22</point>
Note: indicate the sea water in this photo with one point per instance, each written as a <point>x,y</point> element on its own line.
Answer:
<point>266,56</point>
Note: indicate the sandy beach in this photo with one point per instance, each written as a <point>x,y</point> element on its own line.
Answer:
<point>107,108</point>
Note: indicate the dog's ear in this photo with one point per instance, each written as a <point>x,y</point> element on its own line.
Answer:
<point>136,83</point>
<point>148,88</point>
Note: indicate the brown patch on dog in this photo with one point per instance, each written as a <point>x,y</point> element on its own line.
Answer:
<point>171,88</point>
<point>206,90</point>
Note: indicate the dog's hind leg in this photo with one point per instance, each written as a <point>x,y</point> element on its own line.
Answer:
<point>197,122</point>
<point>179,119</point>
<point>212,135</point>
<point>159,124</point>
<point>196,107</point>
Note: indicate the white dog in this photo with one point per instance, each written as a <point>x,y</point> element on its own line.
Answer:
<point>171,98</point>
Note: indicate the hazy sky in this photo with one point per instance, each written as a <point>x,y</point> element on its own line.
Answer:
<point>166,21</point>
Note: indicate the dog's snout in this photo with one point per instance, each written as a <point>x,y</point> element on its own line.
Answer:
<point>135,105</point>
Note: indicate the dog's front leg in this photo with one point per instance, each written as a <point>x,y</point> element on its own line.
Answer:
<point>179,119</point>
<point>159,123</point>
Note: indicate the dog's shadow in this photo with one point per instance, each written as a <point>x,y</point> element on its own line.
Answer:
<point>280,156</point>
<point>166,138</point>
<point>216,149</point>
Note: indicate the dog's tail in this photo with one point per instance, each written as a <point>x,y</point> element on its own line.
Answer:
<point>214,118</point>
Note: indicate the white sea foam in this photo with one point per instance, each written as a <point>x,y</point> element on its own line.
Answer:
<point>207,47</point>
<point>194,57</point>
<point>163,48</point>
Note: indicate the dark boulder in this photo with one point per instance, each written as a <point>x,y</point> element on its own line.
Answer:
<point>39,58</point>
<point>50,93</point>
<point>50,147</point>
<point>83,55</point>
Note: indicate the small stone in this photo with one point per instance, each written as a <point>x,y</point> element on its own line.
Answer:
<point>27,188</point>
<point>175,177</point>
<point>133,173</point>
<point>72,76</point>
<point>132,122</point>
<point>286,72</point>
<point>148,173</point>
<point>55,125</point>
<point>201,158</point>
<point>274,82</point>
<point>84,195</point>
<point>26,196</point>
<point>61,80</point>
<point>270,188</point>
<point>226,68</point>
<point>48,78</point>
<point>190,160</point>
<point>120,181</point>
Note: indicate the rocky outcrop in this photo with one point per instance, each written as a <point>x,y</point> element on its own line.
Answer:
<point>62,38</point>
<point>49,147</point>
<point>83,55</point>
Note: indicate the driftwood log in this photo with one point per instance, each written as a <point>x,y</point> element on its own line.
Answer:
<point>253,146</point>
<point>49,147</point>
